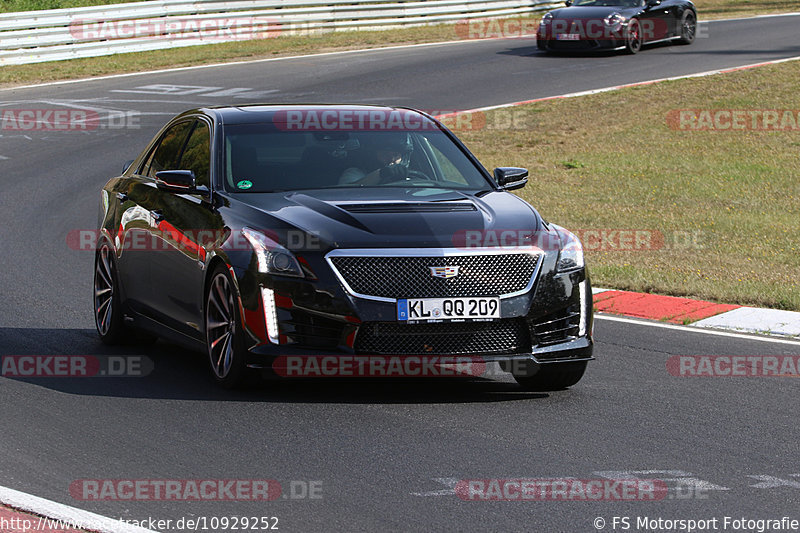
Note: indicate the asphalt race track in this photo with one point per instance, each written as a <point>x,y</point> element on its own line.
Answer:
<point>382,454</point>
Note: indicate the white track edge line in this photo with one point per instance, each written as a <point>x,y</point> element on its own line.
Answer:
<point>768,15</point>
<point>688,329</point>
<point>68,515</point>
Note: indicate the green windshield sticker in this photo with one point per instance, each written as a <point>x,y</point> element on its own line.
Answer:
<point>244,184</point>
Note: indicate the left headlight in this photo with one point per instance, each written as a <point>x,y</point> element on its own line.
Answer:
<point>570,254</point>
<point>272,257</point>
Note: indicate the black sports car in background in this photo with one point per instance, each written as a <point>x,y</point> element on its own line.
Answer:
<point>616,25</point>
<point>259,232</point>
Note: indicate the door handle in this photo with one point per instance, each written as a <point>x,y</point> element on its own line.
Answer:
<point>122,197</point>
<point>157,215</point>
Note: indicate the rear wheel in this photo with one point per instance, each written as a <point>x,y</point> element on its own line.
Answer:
<point>553,376</point>
<point>108,316</point>
<point>226,356</point>
<point>688,28</point>
<point>633,37</point>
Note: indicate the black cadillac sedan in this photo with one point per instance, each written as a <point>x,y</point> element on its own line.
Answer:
<point>264,235</point>
<point>616,25</point>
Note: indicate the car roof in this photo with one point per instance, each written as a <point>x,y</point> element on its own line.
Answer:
<point>259,113</point>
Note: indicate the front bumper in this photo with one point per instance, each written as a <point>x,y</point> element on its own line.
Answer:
<point>572,351</point>
<point>583,45</point>
<point>551,323</point>
<point>547,38</point>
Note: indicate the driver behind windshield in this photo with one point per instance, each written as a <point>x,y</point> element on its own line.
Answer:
<point>386,159</point>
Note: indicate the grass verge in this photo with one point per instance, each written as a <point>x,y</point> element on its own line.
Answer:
<point>12,6</point>
<point>717,9</point>
<point>727,202</point>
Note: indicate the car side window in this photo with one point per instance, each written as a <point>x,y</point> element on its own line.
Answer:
<point>165,156</point>
<point>197,154</point>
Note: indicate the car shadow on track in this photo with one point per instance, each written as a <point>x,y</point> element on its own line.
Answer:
<point>166,371</point>
<point>533,51</point>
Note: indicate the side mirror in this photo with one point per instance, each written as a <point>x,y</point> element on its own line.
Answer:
<point>510,178</point>
<point>653,3</point>
<point>568,3</point>
<point>126,166</point>
<point>179,181</point>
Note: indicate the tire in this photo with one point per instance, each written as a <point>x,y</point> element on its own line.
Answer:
<point>551,377</point>
<point>688,27</point>
<point>633,37</point>
<point>226,356</point>
<point>107,307</point>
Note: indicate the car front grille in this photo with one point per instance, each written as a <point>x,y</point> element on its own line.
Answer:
<point>410,276</point>
<point>506,336</point>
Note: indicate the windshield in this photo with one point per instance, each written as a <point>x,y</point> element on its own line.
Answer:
<point>608,3</point>
<point>261,158</point>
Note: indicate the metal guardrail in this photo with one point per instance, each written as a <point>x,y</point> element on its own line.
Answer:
<point>59,34</point>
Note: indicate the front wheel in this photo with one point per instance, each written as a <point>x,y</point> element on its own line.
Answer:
<point>552,376</point>
<point>541,44</point>
<point>633,37</point>
<point>688,28</point>
<point>226,356</point>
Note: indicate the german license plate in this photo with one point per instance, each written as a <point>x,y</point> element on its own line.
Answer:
<point>412,309</point>
<point>568,36</point>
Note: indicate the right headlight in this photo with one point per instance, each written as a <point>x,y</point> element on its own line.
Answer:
<point>272,257</point>
<point>570,254</point>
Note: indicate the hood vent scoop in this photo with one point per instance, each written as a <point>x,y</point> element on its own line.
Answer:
<point>408,207</point>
